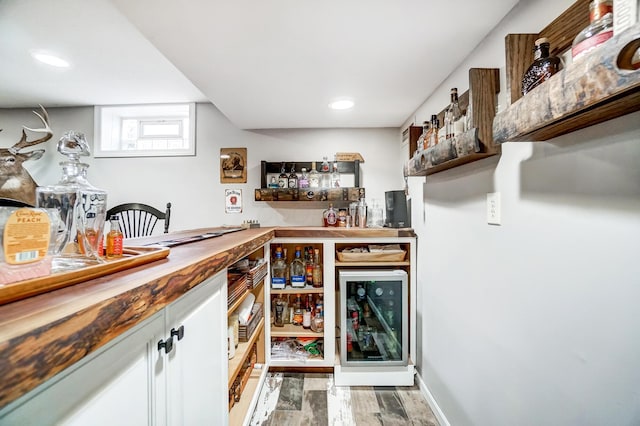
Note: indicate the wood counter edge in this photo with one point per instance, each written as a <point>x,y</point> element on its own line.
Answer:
<point>31,358</point>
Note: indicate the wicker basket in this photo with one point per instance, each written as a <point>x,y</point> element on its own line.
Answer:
<point>245,331</point>
<point>381,256</point>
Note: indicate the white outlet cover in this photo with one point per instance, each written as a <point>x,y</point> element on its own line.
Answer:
<point>493,208</point>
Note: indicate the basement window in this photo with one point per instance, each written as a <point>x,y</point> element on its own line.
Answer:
<point>157,130</point>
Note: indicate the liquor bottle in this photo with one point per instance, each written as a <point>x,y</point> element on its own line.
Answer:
<point>283,179</point>
<point>599,30</point>
<point>297,270</point>
<point>433,135</point>
<point>314,176</point>
<point>278,279</point>
<point>335,174</point>
<point>452,117</point>
<point>423,139</point>
<point>309,263</point>
<point>114,239</point>
<point>273,183</point>
<point>293,177</point>
<point>330,216</point>
<point>297,311</point>
<point>542,68</point>
<point>303,182</point>
<point>317,270</point>
<point>325,175</point>
<point>279,312</point>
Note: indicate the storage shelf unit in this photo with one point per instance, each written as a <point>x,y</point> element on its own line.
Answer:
<point>599,86</point>
<point>345,194</point>
<point>474,144</point>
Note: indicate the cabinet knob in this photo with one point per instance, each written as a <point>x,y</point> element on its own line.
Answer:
<point>179,333</point>
<point>167,345</point>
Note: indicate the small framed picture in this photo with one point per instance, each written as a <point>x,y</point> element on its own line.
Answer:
<point>233,200</point>
<point>233,165</point>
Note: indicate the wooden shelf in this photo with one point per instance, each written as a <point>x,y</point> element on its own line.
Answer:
<point>315,194</point>
<point>600,86</point>
<point>290,330</point>
<point>242,351</point>
<point>474,144</point>
<point>240,409</point>
<point>386,264</point>
<point>296,290</point>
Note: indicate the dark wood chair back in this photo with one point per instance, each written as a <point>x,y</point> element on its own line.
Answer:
<point>138,219</point>
<point>10,202</point>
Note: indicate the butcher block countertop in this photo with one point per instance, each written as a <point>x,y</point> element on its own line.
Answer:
<point>42,335</point>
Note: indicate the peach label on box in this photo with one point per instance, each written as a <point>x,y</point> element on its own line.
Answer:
<point>26,236</point>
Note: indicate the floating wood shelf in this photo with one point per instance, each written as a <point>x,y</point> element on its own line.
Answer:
<point>309,194</point>
<point>598,87</point>
<point>474,144</point>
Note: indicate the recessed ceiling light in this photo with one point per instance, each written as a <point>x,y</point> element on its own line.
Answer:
<point>341,104</point>
<point>49,59</point>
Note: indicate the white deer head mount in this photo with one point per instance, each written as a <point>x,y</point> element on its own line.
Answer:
<point>15,181</point>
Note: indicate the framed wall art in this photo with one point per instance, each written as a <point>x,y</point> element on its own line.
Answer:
<point>233,165</point>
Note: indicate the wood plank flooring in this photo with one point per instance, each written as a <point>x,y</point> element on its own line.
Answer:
<point>292,399</point>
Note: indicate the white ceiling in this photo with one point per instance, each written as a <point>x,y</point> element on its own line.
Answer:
<point>264,64</point>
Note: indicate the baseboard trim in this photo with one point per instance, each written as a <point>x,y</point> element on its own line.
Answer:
<point>442,419</point>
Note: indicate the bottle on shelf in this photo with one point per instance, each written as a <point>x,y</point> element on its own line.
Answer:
<point>279,312</point>
<point>292,182</point>
<point>423,140</point>
<point>114,239</point>
<point>335,174</point>
<point>453,122</point>
<point>285,258</point>
<point>330,216</point>
<point>273,183</point>
<point>314,176</point>
<point>297,311</point>
<point>297,270</point>
<point>278,268</point>
<point>433,135</point>
<point>542,68</point>
<point>309,263</point>
<point>325,173</point>
<point>317,270</point>
<point>303,182</point>
<point>283,179</point>
<point>599,30</point>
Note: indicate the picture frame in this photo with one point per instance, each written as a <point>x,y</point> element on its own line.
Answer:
<point>233,165</point>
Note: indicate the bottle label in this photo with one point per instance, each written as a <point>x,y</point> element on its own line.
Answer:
<point>293,183</point>
<point>590,43</point>
<point>26,236</point>
<point>278,281</point>
<point>331,218</point>
<point>298,280</point>
<point>282,182</point>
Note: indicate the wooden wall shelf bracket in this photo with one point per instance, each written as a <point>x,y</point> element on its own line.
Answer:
<point>596,88</point>
<point>474,144</point>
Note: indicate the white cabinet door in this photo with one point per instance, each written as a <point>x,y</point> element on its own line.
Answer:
<point>197,391</point>
<point>110,387</point>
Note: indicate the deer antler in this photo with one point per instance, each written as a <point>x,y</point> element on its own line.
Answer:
<point>23,143</point>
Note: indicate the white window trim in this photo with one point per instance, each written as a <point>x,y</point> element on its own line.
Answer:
<point>98,152</point>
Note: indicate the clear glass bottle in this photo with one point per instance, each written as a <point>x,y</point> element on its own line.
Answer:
<point>278,268</point>
<point>599,30</point>
<point>335,174</point>
<point>303,182</point>
<point>452,117</point>
<point>82,206</point>
<point>298,274</point>
<point>433,135</point>
<point>297,311</point>
<point>542,67</point>
<point>325,174</point>
<point>423,139</point>
<point>279,312</point>
<point>314,176</point>
<point>114,239</point>
<point>283,179</point>
<point>293,177</point>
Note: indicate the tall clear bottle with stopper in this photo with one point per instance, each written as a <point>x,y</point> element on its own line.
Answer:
<point>82,206</point>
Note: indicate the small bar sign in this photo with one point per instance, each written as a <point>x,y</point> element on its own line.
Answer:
<point>233,200</point>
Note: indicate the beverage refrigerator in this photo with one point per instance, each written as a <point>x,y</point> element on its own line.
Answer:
<point>374,309</point>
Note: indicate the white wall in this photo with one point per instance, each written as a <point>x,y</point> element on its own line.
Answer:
<point>535,321</point>
<point>192,184</point>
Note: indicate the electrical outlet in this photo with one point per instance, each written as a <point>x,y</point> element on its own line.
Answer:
<point>493,208</point>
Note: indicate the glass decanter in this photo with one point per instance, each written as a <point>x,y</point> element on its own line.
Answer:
<point>82,206</point>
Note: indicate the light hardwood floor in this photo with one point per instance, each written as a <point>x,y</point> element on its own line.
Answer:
<point>291,399</point>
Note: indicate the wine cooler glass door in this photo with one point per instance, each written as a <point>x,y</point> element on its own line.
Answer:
<point>373,317</point>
